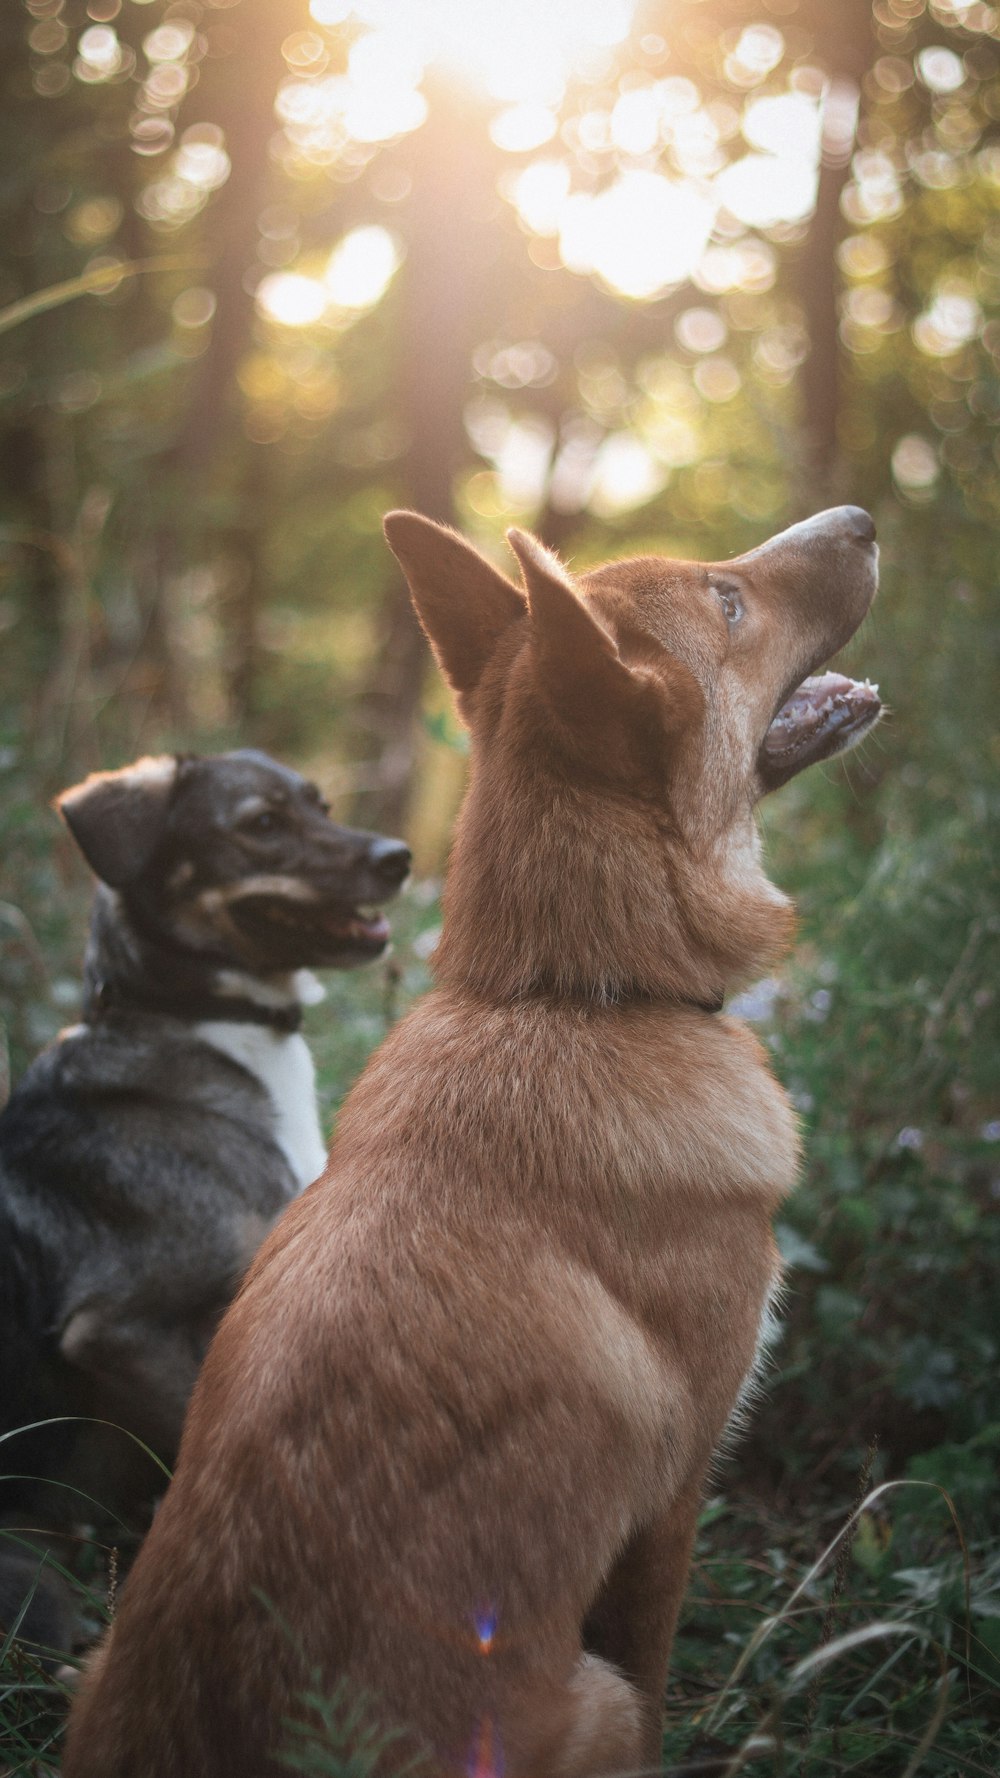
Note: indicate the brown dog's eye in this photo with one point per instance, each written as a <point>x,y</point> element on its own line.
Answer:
<point>730,600</point>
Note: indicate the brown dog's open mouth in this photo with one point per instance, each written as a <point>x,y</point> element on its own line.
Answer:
<point>825,715</point>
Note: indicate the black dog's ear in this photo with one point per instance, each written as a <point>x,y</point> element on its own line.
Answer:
<point>117,818</point>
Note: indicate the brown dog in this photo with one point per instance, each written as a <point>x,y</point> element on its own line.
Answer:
<point>447,1449</point>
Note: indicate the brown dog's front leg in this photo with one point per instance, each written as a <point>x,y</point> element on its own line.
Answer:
<point>632,1621</point>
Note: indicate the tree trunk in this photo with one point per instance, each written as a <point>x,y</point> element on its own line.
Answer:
<point>447,266</point>
<point>237,93</point>
<point>846,45</point>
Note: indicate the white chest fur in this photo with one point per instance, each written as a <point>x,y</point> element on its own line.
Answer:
<point>768,1335</point>
<point>284,1066</point>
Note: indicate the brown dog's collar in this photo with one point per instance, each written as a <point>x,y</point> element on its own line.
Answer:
<point>713,1005</point>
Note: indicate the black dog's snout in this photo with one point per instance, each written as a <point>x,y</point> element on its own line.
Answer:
<point>389,860</point>
<point>860,523</point>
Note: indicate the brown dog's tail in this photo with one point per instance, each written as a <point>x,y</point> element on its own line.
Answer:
<point>598,1725</point>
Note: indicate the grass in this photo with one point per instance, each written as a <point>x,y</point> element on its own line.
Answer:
<point>878,1654</point>
<point>855,1660</point>
<point>36,1687</point>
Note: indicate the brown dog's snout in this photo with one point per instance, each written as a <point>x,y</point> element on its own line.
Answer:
<point>860,524</point>
<point>837,526</point>
<point>389,860</point>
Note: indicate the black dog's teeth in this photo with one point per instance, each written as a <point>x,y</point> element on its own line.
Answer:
<point>335,927</point>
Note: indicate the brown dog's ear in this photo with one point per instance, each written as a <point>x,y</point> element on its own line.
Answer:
<point>602,700</point>
<point>464,604</point>
<point>117,818</point>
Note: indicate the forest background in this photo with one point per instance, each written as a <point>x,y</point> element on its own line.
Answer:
<point>641,275</point>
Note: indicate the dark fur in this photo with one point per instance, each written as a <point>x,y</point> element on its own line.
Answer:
<point>139,1165</point>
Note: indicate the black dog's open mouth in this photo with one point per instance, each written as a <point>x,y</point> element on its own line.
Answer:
<point>825,715</point>
<point>366,928</point>
<point>310,934</point>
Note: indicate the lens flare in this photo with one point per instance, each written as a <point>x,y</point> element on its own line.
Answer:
<point>485,1760</point>
<point>645,229</point>
<point>522,52</point>
<point>486,1629</point>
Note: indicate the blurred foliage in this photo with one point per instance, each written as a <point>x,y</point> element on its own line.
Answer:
<point>888,1039</point>
<point>879,1652</point>
<point>731,261</point>
<point>627,302</point>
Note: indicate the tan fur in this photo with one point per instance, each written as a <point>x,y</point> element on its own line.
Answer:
<point>449,1443</point>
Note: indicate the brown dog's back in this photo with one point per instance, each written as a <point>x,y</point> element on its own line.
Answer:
<point>447,1448</point>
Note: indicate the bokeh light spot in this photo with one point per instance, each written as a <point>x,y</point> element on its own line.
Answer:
<point>523,127</point>
<point>915,465</point>
<point>99,54</point>
<point>330,12</point>
<point>787,125</point>
<point>701,330</point>
<point>642,234</point>
<point>764,189</point>
<point>635,121</point>
<point>194,307</point>
<point>361,267</point>
<point>758,50</point>
<point>169,42</point>
<point>625,475</point>
<point>717,379</point>
<point>954,318</point>
<point>941,69</point>
<point>291,299</point>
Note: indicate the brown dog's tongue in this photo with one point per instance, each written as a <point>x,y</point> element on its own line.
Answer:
<point>823,716</point>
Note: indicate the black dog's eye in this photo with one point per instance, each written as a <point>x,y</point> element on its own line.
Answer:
<point>261,824</point>
<point>729,599</point>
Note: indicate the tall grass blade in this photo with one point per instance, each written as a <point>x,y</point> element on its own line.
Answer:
<point>98,282</point>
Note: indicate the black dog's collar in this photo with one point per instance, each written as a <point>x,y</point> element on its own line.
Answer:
<point>194,1008</point>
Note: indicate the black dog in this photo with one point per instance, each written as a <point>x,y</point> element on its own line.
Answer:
<point>147,1152</point>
